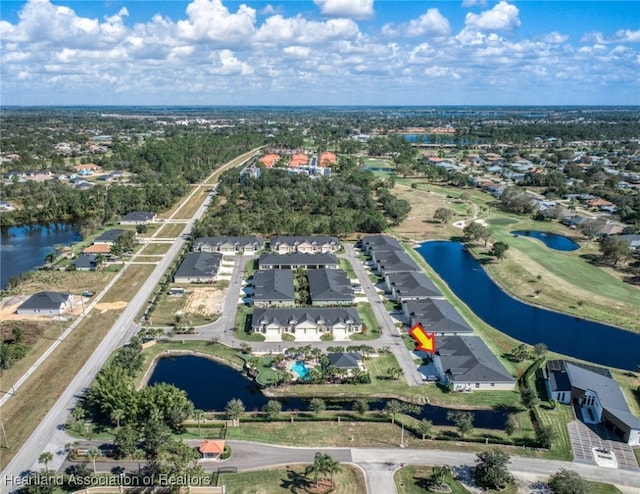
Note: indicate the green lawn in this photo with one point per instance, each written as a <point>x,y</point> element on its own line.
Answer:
<point>345,265</point>
<point>369,320</point>
<point>413,479</point>
<point>600,488</point>
<point>349,480</point>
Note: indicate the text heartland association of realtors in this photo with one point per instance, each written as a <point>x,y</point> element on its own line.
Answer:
<point>106,481</point>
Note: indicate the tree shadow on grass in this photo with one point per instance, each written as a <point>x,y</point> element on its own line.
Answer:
<point>295,481</point>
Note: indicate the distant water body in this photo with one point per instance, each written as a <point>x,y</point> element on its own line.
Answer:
<point>23,248</point>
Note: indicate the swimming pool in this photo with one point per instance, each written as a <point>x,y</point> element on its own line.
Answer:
<point>299,368</point>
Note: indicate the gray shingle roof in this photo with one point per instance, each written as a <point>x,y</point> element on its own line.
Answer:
<point>394,262</point>
<point>592,378</point>
<point>273,284</point>
<point>138,216</point>
<point>380,243</point>
<point>346,360</point>
<point>437,315</point>
<point>45,301</point>
<point>285,316</point>
<point>413,284</point>
<point>469,359</point>
<point>86,261</point>
<point>294,241</point>
<point>298,259</point>
<point>199,264</point>
<point>239,242</point>
<point>110,235</point>
<point>329,285</point>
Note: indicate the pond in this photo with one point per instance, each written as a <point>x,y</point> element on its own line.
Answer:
<point>23,248</point>
<point>562,333</point>
<point>210,385</point>
<point>551,240</point>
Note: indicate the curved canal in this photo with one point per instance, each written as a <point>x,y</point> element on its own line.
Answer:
<point>551,240</point>
<point>569,335</point>
<point>210,385</point>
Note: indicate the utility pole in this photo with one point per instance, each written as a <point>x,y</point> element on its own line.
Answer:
<point>4,434</point>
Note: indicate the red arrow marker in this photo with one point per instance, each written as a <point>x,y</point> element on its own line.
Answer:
<point>426,341</point>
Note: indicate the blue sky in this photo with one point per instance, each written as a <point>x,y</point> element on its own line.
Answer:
<point>320,52</point>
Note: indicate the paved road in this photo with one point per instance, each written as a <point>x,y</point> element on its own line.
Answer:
<point>50,435</point>
<point>379,464</point>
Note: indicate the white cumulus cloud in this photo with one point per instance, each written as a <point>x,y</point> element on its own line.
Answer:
<point>277,29</point>
<point>210,20</point>
<point>431,23</point>
<point>354,9</point>
<point>502,17</point>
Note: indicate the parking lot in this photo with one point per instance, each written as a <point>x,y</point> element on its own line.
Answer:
<point>585,437</point>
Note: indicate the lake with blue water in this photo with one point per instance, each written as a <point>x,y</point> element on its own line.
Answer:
<point>23,248</point>
<point>210,385</point>
<point>551,240</point>
<point>569,335</point>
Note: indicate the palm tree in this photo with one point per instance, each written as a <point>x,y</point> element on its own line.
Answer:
<point>331,466</point>
<point>93,454</point>
<point>440,475</point>
<point>198,415</point>
<point>318,467</point>
<point>117,414</point>
<point>45,458</point>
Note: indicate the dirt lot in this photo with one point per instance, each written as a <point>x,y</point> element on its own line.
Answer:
<point>420,224</point>
<point>9,306</point>
<point>204,301</point>
<point>105,306</point>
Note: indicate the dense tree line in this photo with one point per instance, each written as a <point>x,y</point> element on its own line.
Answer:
<point>163,170</point>
<point>279,203</point>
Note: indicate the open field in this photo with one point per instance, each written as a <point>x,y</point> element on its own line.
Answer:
<point>172,230</point>
<point>192,205</point>
<point>151,249</point>
<point>349,480</point>
<point>130,282</point>
<point>198,306</point>
<point>63,281</point>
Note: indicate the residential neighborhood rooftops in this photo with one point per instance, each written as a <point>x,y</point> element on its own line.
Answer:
<point>273,285</point>
<point>110,235</point>
<point>199,264</point>
<point>394,262</point>
<point>326,315</point>
<point>329,285</point>
<point>411,284</point>
<point>138,217</point>
<point>436,315</point>
<point>295,259</point>
<point>45,300</point>
<point>468,358</point>
<point>237,242</point>
<point>317,241</point>
<point>380,243</point>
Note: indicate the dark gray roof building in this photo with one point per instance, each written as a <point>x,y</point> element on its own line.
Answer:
<point>394,262</point>
<point>110,236</point>
<point>45,303</point>
<point>435,315</point>
<point>593,387</point>
<point>327,316</point>
<point>198,267</point>
<point>345,360</point>
<point>273,287</point>
<point>138,217</point>
<point>228,244</point>
<point>329,286</point>
<point>380,243</point>
<point>86,262</point>
<point>410,285</point>
<point>466,363</point>
<point>304,244</point>
<point>295,260</point>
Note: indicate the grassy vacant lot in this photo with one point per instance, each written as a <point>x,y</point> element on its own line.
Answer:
<point>156,249</point>
<point>63,281</point>
<point>345,265</point>
<point>171,230</point>
<point>129,284</point>
<point>349,480</point>
<point>413,479</point>
<point>369,320</point>
<point>191,206</point>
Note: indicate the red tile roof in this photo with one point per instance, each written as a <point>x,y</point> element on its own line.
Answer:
<point>328,159</point>
<point>211,446</point>
<point>269,160</point>
<point>298,160</point>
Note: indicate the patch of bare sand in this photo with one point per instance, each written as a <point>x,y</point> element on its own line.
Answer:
<point>105,306</point>
<point>204,301</point>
